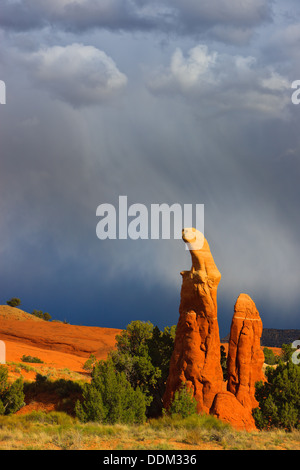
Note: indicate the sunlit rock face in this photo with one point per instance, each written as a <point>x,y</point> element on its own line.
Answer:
<point>196,357</point>
<point>245,356</point>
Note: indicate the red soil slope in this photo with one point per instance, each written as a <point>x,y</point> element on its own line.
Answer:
<point>58,344</point>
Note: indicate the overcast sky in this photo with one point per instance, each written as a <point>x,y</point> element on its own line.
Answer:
<point>164,101</point>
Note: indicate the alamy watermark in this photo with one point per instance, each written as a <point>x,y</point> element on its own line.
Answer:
<point>296,354</point>
<point>2,92</point>
<point>296,95</point>
<point>2,352</point>
<point>163,222</point>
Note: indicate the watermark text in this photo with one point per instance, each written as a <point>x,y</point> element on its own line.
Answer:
<point>2,92</point>
<point>135,222</point>
<point>296,354</point>
<point>2,352</point>
<point>296,95</point>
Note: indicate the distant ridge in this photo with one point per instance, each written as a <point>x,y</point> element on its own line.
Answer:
<point>274,338</point>
<point>23,328</point>
<point>14,313</point>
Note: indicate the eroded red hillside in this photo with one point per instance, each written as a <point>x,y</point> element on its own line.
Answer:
<point>58,345</point>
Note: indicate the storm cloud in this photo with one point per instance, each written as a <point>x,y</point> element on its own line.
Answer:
<point>228,19</point>
<point>166,102</point>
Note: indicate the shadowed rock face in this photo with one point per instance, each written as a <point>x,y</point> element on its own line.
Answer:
<point>245,357</point>
<point>196,357</point>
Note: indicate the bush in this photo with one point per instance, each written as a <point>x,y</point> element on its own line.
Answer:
<point>143,353</point>
<point>38,313</point>
<point>279,398</point>
<point>11,395</point>
<point>110,398</point>
<point>224,362</point>
<point>270,357</point>
<point>47,316</point>
<point>287,351</point>
<point>62,387</point>
<point>44,316</point>
<point>160,349</point>
<point>14,302</point>
<point>31,359</point>
<point>184,404</point>
<point>90,363</point>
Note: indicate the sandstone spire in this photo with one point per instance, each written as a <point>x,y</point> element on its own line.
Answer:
<point>245,356</point>
<point>196,356</point>
<point>244,367</point>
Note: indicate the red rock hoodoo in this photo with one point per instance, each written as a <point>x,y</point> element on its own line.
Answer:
<point>245,357</point>
<point>196,356</point>
<point>244,367</point>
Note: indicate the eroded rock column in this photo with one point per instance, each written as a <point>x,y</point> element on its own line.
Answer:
<point>245,356</point>
<point>196,356</point>
<point>244,367</point>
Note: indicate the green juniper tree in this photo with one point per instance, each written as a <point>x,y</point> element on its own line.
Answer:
<point>143,353</point>
<point>11,395</point>
<point>184,404</point>
<point>110,398</point>
<point>279,398</point>
<point>270,357</point>
<point>14,302</point>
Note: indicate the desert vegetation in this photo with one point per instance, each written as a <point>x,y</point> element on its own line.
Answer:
<point>11,394</point>
<point>14,302</point>
<point>60,431</point>
<point>119,405</point>
<point>42,315</point>
<point>31,359</point>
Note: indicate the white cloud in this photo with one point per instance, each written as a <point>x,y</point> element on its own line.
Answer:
<point>186,74</point>
<point>275,82</point>
<point>77,74</point>
<point>221,82</point>
<point>189,72</point>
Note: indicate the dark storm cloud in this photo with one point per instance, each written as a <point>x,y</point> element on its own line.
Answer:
<point>197,122</point>
<point>226,19</point>
<point>224,13</point>
<point>62,162</point>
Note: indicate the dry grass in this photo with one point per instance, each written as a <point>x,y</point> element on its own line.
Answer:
<point>14,313</point>
<point>21,369</point>
<point>56,430</point>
